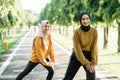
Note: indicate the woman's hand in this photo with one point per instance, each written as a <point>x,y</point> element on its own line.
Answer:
<point>51,64</point>
<point>90,67</point>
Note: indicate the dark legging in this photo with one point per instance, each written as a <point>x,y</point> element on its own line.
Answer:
<point>74,65</point>
<point>29,68</point>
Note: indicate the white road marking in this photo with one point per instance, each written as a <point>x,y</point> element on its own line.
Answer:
<point>61,47</point>
<point>5,64</point>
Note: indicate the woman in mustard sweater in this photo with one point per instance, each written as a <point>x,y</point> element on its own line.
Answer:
<point>42,52</point>
<point>85,50</point>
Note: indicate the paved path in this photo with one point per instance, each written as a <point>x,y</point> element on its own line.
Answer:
<point>15,61</point>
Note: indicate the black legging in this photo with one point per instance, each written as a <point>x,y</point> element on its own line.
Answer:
<point>29,68</point>
<point>74,65</point>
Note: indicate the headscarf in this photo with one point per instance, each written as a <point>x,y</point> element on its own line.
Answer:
<point>84,28</point>
<point>41,34</point>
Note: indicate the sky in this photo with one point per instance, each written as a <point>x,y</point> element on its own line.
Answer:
<point>34,5</point>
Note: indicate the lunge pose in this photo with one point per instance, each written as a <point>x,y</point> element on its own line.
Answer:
<point>43,52</point>
<point>85,50</point>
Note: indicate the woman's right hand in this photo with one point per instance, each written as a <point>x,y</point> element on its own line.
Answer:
<point>90,67</point>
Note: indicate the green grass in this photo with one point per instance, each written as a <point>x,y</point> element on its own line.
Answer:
<point>11,41</point>
<point>110,62</point>
<point>63,40</point>
<point>108,59</point>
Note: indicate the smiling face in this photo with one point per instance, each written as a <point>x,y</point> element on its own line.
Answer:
<point>46,28</point>
<point>85,20</point>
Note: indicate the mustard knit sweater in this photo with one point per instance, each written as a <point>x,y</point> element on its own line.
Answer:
<point>86,41</point>
<point>40,54</point>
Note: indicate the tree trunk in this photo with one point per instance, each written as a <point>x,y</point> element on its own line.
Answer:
<point>105,38</point>
<point>118,36</point>
<point>8,31</point>
<point>73,29</point>
<point>59,29</point>
<point>67,32</point>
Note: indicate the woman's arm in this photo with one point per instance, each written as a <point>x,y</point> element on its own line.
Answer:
<point>51,52</point>
<point>94,48</point>
<point>78,50</point>
<point>39,51</point>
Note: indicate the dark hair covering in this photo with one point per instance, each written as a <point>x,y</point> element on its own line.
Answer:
<point>84,28</point>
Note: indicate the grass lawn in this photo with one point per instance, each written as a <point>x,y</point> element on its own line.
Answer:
<point>108,59</point>
<point>110,62</point>
<point>11,41</point>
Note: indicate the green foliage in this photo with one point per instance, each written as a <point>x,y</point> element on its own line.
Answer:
<point>116,15</point>
<point>92,8</point>
<point>3,22</point>
<point>11,14</point>
<point>78,7</point>
<point>93,5</point>
<point>104,4</point>
<point>11,18</point>
<point>64,12</point>
<point>114,8</point>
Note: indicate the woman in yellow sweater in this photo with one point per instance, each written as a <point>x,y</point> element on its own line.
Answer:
<point>85,50</point>
<point>42,52</point>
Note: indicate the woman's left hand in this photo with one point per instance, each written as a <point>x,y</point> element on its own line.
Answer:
<point>92,68</point>
<point>51,63</point>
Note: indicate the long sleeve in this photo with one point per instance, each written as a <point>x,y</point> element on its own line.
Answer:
<point>40,51</point>
<point>51,51</point>
<point>38,54</point>
<point>94,48</point>
<point>78,50</point>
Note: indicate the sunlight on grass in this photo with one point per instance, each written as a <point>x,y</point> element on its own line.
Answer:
<point>109,59</point>
<point>110,62</point>
<point>12,40</point>
<point>64,41</point>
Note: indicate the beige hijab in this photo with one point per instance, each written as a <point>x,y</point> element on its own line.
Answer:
<point>41,34</point>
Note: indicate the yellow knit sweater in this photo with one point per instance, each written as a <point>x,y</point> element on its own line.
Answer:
<point>86,41</point>
<point>40,54</point>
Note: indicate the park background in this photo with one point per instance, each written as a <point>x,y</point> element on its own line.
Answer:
<point>64,18</point>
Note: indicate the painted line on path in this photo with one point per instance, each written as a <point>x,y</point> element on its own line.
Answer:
<point>5,64</point>
<point>62,48</point>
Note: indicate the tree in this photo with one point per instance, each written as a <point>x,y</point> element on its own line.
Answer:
<point>99,13</point>
<point>114,10</point>
<point>11,15</point>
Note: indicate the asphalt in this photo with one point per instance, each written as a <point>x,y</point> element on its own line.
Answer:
<point>16,60</point>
